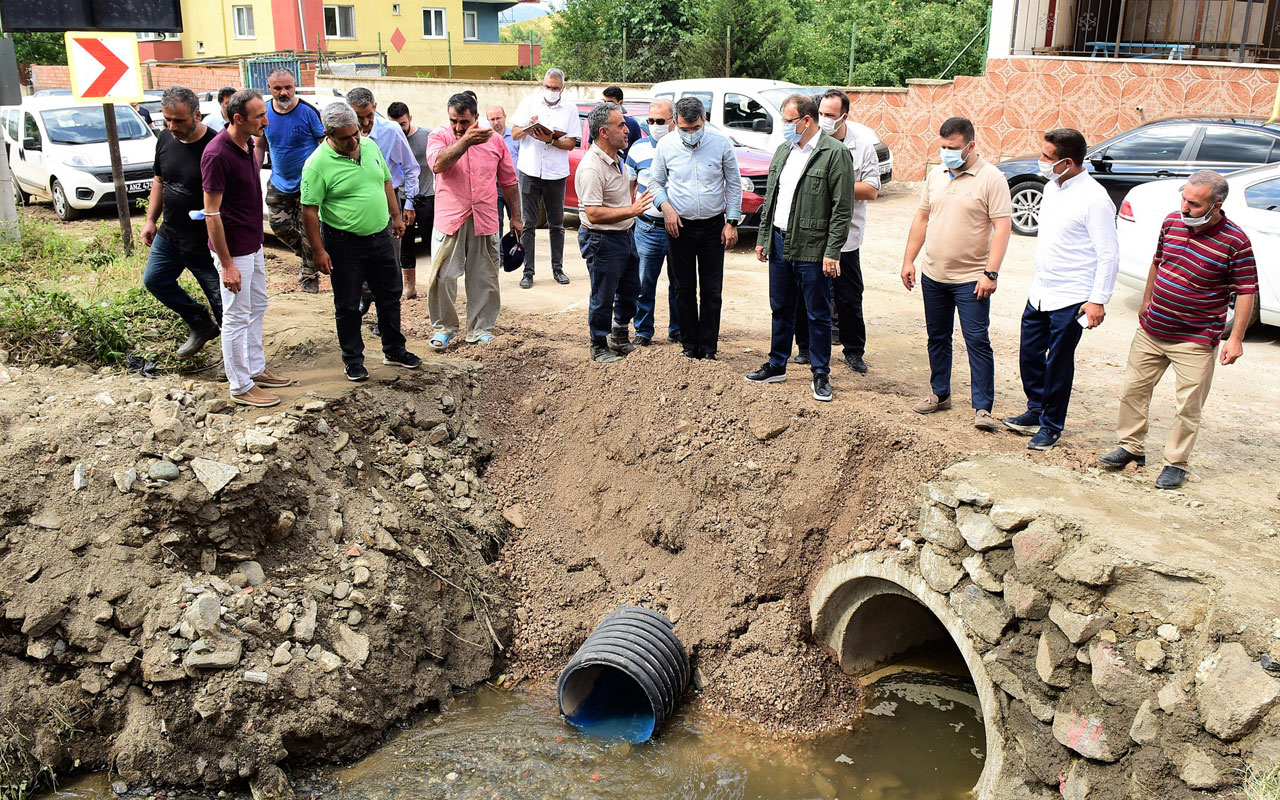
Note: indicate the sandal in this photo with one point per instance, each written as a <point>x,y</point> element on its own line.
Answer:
<point>441,341</point>
<point>484,338</point>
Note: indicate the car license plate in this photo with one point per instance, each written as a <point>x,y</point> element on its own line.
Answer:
<point>133,187</point>
<point>886,170</point>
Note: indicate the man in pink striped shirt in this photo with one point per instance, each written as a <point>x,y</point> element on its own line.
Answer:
<point>470,166</point>
<point>1201,260</point>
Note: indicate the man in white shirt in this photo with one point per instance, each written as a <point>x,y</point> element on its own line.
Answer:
<point>547,128</point>
<point>1077,258</point>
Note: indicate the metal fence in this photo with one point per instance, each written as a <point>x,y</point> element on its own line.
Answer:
<point>1176,30</point>
<point>625,60</point>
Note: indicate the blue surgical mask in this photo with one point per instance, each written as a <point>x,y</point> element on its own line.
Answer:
<point>693,138</point>
<point>952,159</point>
<point>790,133</point>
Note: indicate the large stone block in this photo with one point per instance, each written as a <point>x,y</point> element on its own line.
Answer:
<point>978,531</point>
<point>984,613</point>
<point>1090,727</point>
<point>1024,599</point>
<point>937,494</point>
<point>938,570</point>
<point>1079,628</point>
<point>1055,658</point>
<point>1234,692</point>
<point>1137,590</point>
<point>1012,672</point>
<point>976,566</point>
<point>1146,724</point>
<point>1038,545</point>
<point>938,527</point>
<point>1011,516</point>
<point>1089,564</point>
<point>1114,676</point>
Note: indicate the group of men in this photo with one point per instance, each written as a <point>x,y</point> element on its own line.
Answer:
<point>347,184</point>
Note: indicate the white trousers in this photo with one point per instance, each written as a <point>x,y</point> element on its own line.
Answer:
<point>242,313</point>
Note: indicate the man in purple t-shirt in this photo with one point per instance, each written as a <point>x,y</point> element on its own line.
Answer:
<point>233,215</point>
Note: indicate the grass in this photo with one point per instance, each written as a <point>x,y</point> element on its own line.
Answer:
<point>1259,784</point>
<point>21,773</point>
<point>68,300</point>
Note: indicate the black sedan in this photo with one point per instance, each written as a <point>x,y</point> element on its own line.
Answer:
<point>1169,148</point>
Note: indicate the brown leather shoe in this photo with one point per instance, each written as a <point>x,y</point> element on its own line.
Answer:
<point>931,404</point>
<point>983,421</point>
<point>256,397</point>
<point>271,380</point>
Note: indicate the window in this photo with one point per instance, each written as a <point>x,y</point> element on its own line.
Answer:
<point>244,21</point>
<point>12,122</point>
<point>395,9</point>
<point>87,125</point>
<point>705,97</point>
<point>30,130</point>
<point>340,22</point>
<point>1265,195</point>
<point>433,23</point>
<point>741,113</point>
<point>1236,146</point>
<point>1161,144</point>
<point>470,25</point>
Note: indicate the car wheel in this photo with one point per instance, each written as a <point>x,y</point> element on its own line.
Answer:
<point>1231,315</point>
<point>1026,197</point>
<point>20,198</point>
<point>61,206</point>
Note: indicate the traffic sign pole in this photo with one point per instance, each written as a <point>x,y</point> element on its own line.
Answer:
<point>117,176</point>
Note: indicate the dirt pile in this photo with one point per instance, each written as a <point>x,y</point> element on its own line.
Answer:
<point>676,484</point>
<point>190,594</point>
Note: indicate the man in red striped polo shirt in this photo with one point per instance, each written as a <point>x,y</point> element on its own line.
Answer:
<point>1202,258</point>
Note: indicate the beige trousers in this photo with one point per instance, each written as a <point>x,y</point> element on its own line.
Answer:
<point>475,259</point>
<point>1149,357</point>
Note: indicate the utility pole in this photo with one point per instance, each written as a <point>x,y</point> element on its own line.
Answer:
<point>117,175</point>
<point>853,50</point>
<point>728,50</point>
<point>624,54</point>
<point>10,94</point>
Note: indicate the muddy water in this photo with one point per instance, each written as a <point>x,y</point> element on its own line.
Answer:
<point>921,740</point>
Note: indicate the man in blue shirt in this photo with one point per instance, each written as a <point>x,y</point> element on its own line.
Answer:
<point>697,186</point>
<point>395,150</point>
<point>292,133</point>
<point>497,117</point>
<point>651,236</point>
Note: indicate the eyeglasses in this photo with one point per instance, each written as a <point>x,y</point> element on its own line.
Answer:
<point>658,121</point>
<point>792,121</point>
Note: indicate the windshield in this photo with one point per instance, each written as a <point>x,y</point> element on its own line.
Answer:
<point>776,97</point>
<point>87,125</point>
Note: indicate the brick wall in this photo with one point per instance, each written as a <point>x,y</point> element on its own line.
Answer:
<point>1021,98</point>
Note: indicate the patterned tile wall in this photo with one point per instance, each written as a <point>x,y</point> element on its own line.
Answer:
<point>1020,98</point>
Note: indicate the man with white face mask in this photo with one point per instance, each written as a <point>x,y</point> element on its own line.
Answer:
<point>547,128</point>
<point>963,226</point>
<point>650,235</point>
<point>1077,258</point>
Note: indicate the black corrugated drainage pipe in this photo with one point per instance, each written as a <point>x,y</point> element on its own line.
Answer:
<point>626,679</point>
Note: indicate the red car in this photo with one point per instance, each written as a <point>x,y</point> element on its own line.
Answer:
<point>752,163</point>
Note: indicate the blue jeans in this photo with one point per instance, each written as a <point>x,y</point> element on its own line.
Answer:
<point>651,245</point>
<point>1047,357</point>
<point>789,280</point>
<point>942,302</point>
<point>614,267</point>
<point>164,266</point>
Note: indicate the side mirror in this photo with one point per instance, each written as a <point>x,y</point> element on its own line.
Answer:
<point>1101,163</point>
<point>31,143</point>
<point>762,125</point>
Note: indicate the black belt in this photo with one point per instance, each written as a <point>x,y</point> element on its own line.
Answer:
<point>327,228</point>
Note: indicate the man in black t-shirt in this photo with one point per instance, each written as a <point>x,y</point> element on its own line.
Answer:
<point>181,242</point>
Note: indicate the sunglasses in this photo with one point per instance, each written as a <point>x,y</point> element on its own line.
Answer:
<point>658,121</point>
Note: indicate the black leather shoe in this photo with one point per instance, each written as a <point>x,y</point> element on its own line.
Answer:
<point>1118,458</point>
<point>687,353</point>
<point>1171,478</point>
<point>604,355</point>
<point>619,341</point>
<point>196,341</point>
<point>822,388</point>
<point>644,341</point>
<point>801,357</point>
<point>310,284</point>
<point>709,357</point>
<point>526,282</point>
<point>768,373</point>
<point>1027,423</point>
<point>560,277</point>
<point>856,364</point>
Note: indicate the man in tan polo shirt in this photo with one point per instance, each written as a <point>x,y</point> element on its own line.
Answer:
<point>604,234</point>
<point>963,225</point>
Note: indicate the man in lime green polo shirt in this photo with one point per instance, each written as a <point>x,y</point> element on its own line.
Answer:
<point>347,201</point>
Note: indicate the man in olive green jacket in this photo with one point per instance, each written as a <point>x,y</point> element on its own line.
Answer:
<point>803,226</point>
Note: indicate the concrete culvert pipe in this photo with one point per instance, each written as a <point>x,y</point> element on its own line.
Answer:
<point>627,678</point>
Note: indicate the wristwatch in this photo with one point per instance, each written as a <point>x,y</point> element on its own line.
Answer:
<point>733,222</point>
<point>991,276</point>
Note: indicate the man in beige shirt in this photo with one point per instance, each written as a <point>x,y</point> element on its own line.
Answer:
<point>604,234</point>
<point>963,225</point>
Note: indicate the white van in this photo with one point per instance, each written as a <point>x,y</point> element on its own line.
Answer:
<point>59,153</point>
<point>751,108</point>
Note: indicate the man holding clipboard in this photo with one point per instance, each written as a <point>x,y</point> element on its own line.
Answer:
<point>546,129</point>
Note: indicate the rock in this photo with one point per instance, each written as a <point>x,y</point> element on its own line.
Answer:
<point>271,782</point>
<point>1088,726</point>
<point>203,613</point>
<point>1233,692</point>
<point>1011,516</point>
<point>1113,678</point>
<point>385,542</point>
<point>285,523</point>
<point>976,566</point>
<point>1172,697</point>
<point>313,406</point>
<point>283,654</point>
<point>984,613</point>
<point>252,572</point>
<point>119,787</point>
<point>1037,545</point>
<point>1055,658</point>
<point>354,617</point>
<point>764,428</point>
<point>125,479</point>
<point>1197,769</point>
<point>938,495</point>
<point>166,421</point>
<point>1146,725</point>
<point>1089,564</point>
<point>515,517</point>
<point>1182,601</point>
<point>341,590</point>
<point>415,480</point>
<point>42,616</point>
<point>39,649</point>
<point>438,434</point>
<point>1168,632</point>
<point>213,475</point>
<point>938,527</point>
<point>257,677</point>
<point>422,558</point>
<point>255,441</point>
<point>47,519</point>
<point>284,622</point>
<point>352,646</point>
<point>163,470</point>
<point>1078,628</point>
<point>977,530</point>
<point>360,576</point>
<point>968,493</point>
<point>221,652</point>
<point>304,628</point>
<point>1008,669</point>
<point>1150,654</point>
<point>158,665</point>
<point>938,571</point>
<point>1024,599</point>
<point>328,661</point>
<point>79,478</point>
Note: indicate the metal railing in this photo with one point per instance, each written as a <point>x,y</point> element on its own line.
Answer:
<point>1246,31</point>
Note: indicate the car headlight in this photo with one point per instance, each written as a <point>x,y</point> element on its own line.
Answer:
<point>77,160</point>
<point>747,185</point>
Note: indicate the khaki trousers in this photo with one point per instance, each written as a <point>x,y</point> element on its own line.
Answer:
<point>1149,357</point>
<point>475,259</point>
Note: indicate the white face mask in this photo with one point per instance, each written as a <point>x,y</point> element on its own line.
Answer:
<point>1196,222</point>
<point>828,126</point>
<point>658,131</point>
<point>552,97</point>
<point>1046,170</point>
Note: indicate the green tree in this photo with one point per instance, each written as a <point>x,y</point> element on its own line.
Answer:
<point>587,40</point>
<point>40,48</point>
<point>896,40</point>
<point>761,37</point>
